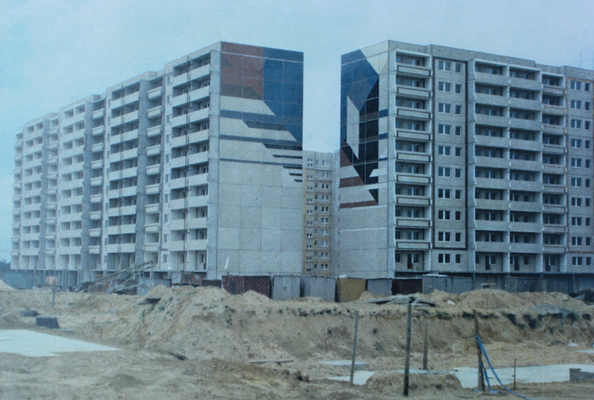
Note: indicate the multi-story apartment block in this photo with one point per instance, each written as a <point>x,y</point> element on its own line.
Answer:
<point>463,162</point>
<point>197,167</point>
<point>318,208</point>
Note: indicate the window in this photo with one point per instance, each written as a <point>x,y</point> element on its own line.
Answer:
<point>443,193</point>
<point>458,88</point>
<point>575,85</point>
<point>443,236</point>
<point>458,151</point>
<point>576,104</point>
<point>458,68</point>
<point>458,237</point>
<point>458,130</point>
<point>444,129</point>
<point>443,215</point>
<point>443,258</point>
<point>576,123</point>
<point>444,108</point>
<point>458,109</point>
<point>443,150</point>
<point>444,86</point>
<point>443,171</point>
<point>444,65</point>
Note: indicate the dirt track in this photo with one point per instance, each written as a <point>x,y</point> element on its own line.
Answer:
<point>197,343</point>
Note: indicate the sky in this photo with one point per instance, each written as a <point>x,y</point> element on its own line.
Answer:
<point>53,53</point>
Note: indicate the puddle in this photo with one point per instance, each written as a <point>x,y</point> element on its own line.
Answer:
<point>36,344</point>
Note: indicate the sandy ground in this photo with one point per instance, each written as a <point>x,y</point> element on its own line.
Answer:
<point>198,343</point>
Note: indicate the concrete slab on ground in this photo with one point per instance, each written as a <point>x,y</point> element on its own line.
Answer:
<point>361,377</point>
<point>359,365</point>
<point>36,344</point>
<point>535,374</point>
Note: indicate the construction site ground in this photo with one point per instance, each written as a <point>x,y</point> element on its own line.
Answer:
<point>202,343</point>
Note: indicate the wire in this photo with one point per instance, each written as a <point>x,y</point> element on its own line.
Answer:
<point>480,344</point>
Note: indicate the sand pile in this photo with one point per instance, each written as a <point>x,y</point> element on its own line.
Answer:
<point>4,287</point>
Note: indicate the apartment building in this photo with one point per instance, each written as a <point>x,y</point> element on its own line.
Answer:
<point>460,162</point>
<point>318,211</point>
<point>197,167</point>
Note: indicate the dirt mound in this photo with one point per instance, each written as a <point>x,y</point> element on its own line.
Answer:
<point>6,288</point>
<point>491,299</point>
<point>394,381</point>
<point>158,292</point>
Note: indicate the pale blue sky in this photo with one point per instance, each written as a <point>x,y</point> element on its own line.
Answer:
<point>55,52</point>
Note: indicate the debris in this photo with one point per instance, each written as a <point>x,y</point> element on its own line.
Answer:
<point>550,309</point>
<point>450,302</point>
<point>47,321</point>
<point>29,313</point>
<point>403,299</point>
<point>576,375</point>
<point>279,362</point>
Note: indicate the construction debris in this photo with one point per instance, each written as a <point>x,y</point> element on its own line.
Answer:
<point>403,299</point>
<point>47,321</point>
<point>550,309</point>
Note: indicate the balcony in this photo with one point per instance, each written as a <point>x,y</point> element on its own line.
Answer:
<point>97,147</point>
<point>152,247</point>
<point>491,79</point>
<point>554,90</point>
<point>155,93</point>
<point>153,150</point>
<point>412,222</point>
<point>413,71</point>
<point>416,157</point>
<point>193,116</point>
<point>525,165</point>
<point>532,125</point>
<point>154,112</point>
<point>526,84</point>
<point>193,245</point>
<point>97,164</point>
<point>491,162</point>
<point>97,181</point>
<point>413,135</point>
<point>412,201</point>
<point>197,201</point>
<point>154,131</point>
<point>123,192</point>
<point>525,248</point>
<point>99,113</point>
<point>153,189</point>
<point>492,204</point>
<point>192,75</point>
<point>492,247</point>
<point>95,215</point>
<point>490,225</point>
<point>491,183</point>
<point>153,169</point>
<point>131,98</point>
<point>554,110</point>
<point>529,145</point>
<point>482,98</point>
<point>412,245</point>
<point>493,120</point>
<point>422,115</point>
<point>152,208</point>
<point>94,249</point>
<point>197,180</point>
<point>525,227</point>
<point>421,93</point>
<point>413,178</point>
<point>95,232</point>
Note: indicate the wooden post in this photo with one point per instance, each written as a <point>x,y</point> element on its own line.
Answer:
<point>354,347</point>
<point>426,346</point>
<point>515,359</point>
<point>408,343</point>
<point>54,296</point>
<point>481,380</point>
